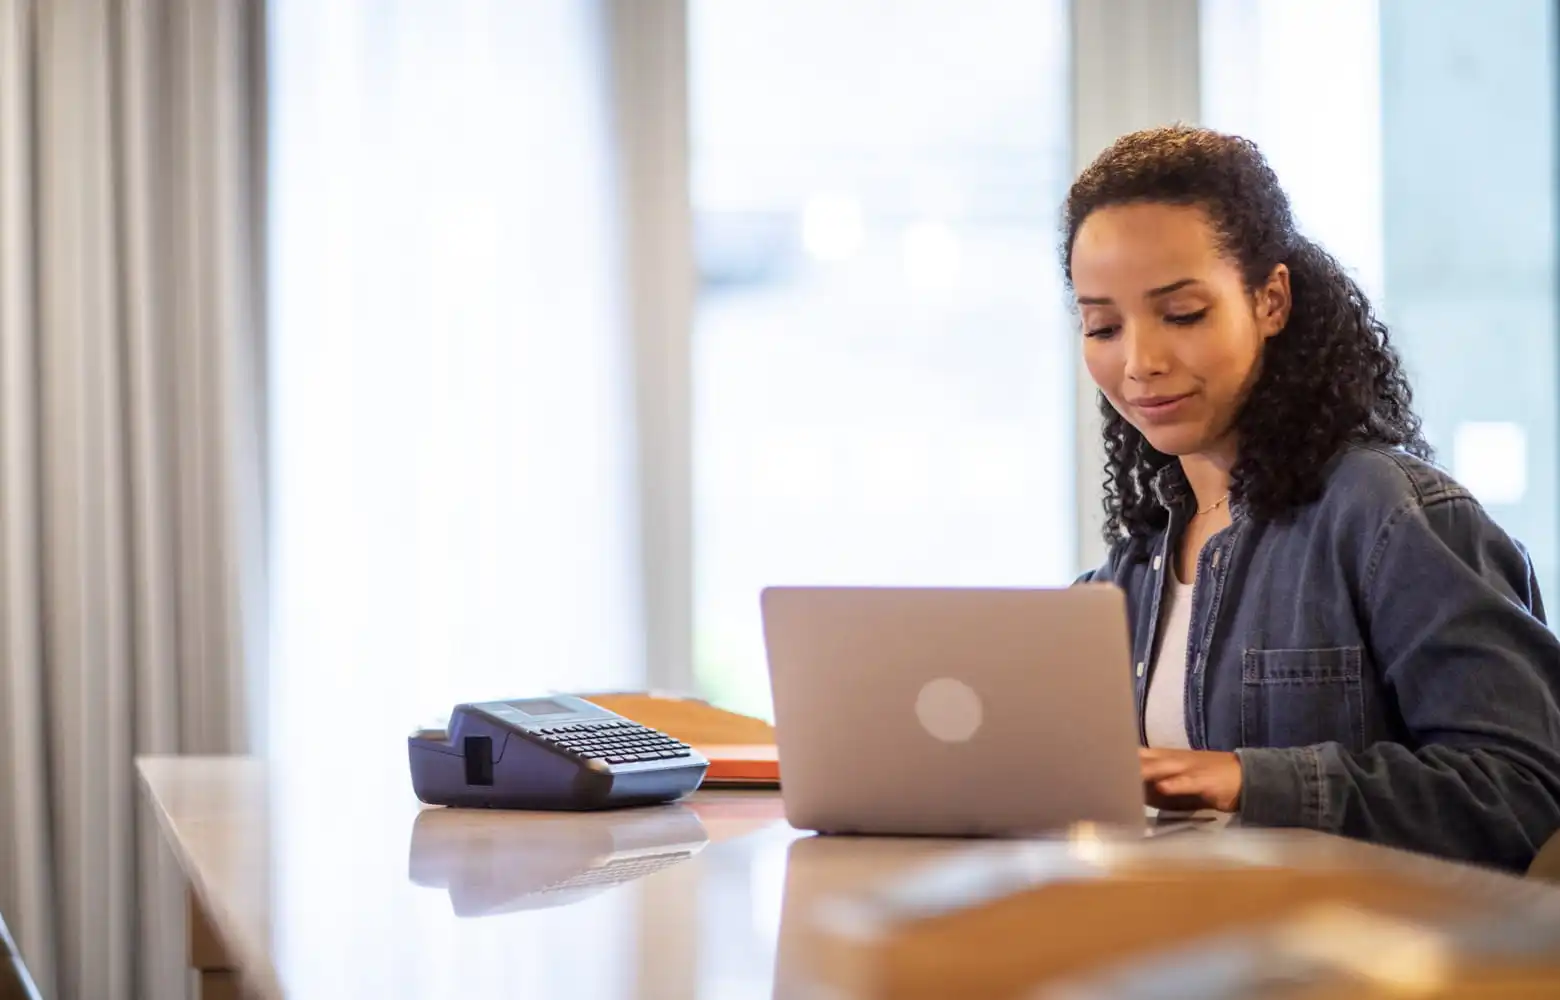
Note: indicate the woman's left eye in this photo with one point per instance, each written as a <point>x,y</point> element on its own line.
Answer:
<point>1187,319</point>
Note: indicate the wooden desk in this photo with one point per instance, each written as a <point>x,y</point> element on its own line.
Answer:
<point>310,882</point>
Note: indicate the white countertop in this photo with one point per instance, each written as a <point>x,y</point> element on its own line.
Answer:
<point>326,885</point>
<point>329,888</point>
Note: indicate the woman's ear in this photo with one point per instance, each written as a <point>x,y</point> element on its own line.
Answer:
<point>1273,302</point>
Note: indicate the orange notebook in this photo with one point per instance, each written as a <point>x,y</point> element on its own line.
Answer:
<point>741,765</point>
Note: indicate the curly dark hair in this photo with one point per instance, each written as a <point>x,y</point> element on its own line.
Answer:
<point>1330,378</point>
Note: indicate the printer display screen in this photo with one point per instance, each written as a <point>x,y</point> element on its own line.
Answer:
<point>541,706</point>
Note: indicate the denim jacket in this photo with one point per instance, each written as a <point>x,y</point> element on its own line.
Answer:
<point>1378,660</point>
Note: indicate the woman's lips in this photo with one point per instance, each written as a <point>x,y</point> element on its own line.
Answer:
<point>1160,409</point>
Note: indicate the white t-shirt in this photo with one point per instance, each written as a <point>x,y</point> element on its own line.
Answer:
<point>1164,709</point>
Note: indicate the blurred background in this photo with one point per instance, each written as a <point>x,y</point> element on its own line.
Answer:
<point>371,356</point>
<point>591,320</point>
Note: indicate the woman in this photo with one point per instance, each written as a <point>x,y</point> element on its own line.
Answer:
<point>1327,631</point>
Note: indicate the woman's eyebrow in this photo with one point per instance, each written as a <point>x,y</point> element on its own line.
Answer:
<point>1152,293</point>
<point>1174,286</point>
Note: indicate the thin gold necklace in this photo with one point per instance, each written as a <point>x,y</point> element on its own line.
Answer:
<point>1213,506</point>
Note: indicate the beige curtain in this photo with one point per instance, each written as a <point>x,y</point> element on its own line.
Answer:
<point>132,569</point>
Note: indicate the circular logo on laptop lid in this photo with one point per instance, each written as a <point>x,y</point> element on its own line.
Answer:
<point>948,709</point>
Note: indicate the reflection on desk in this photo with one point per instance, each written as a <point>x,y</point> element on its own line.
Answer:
<point>498,862</point>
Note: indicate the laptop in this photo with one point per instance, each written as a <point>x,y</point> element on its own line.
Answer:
<point>953,712</point>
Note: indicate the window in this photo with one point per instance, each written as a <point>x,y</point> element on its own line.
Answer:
<point>452,436</point>
<point>1424,158</point>
<point>883,363</point>
<point>453,429</point>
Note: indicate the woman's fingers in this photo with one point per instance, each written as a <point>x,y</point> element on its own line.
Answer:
<point>1205,778</point>
<point>1170,780</point>
<point>1171,803</point>
<point>1157,765</point>
<point>1179,785</point>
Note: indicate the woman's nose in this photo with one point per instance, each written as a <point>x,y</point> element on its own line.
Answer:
<point>1148,355</point>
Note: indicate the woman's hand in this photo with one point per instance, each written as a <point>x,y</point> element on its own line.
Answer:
<point>1188,780</point>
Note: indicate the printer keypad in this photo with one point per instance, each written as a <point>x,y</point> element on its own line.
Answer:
<point>616,742</point>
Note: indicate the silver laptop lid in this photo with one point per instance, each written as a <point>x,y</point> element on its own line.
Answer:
<point>953,712</point>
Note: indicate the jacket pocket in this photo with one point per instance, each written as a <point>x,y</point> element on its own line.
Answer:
<point>1300,697</point>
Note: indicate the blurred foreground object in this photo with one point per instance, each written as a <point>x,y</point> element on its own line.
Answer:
<point>1341,952</point>
<point>1238,913</point>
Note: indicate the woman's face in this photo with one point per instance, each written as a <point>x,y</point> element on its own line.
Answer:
<point>1171,335</point>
